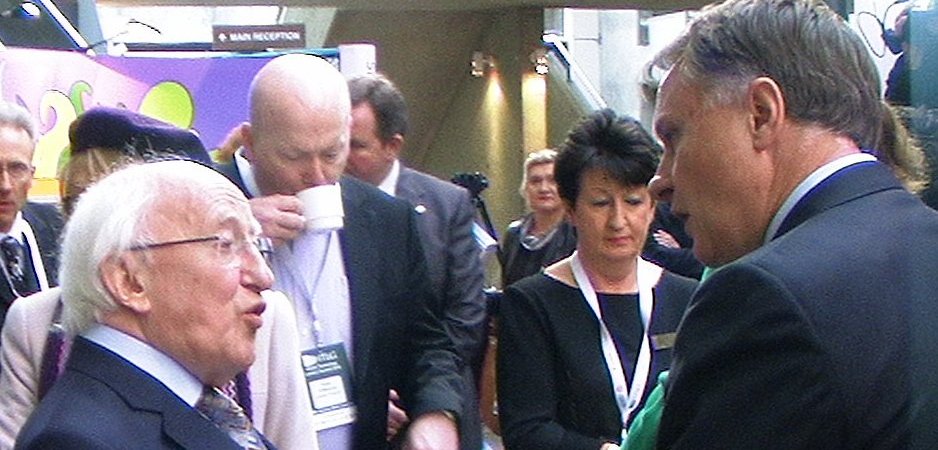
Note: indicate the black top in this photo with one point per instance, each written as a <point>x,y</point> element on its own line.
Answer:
<point>519,261</point>
<point>622,317</point>
<point>554,390</point>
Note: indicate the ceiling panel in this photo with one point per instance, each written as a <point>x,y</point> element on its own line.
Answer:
<point>428,5</point>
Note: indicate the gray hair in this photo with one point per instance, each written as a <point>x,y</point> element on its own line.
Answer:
<point>13,115</point>
<point>545,156</point>
<point>111,217</point>
<point>824,71</point>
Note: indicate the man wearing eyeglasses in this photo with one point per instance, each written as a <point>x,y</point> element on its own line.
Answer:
<point>162,281</point>
<point>29,232</point>
<point>33,348</point>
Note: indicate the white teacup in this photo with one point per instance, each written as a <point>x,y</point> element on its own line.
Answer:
<point>322,208</point>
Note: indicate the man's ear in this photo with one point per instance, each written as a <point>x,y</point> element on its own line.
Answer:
<point>248,136</point>
<point>121,277</point>
<point>394,145</point>
<point>767,111</point>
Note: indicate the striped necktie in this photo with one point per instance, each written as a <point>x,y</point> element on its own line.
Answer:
<point>15,265</point>
<point>230,418</point>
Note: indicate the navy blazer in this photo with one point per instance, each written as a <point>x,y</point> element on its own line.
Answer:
<point>46,222</point>
<point>399,340</point>
<point>103,401</point>
<point>678,260</point>
<point>445,217</point>
<point>823,338</point>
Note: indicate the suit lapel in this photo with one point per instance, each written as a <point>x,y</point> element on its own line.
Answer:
<point>142,392</point>
<point>6,293</point>
<point>230,171</point>
<point>408,189</point>
<point>362,268</point>
<point>46,238</point>
<point>191,430</point>
<point>847,184</point>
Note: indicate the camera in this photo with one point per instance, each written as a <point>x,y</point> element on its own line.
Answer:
<point>475,182</point>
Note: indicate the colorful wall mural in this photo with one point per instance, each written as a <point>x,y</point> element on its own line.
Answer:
<point>207,94</point>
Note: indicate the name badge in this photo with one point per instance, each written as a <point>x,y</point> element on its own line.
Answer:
<point>329,381</point>
<point>663,341</point>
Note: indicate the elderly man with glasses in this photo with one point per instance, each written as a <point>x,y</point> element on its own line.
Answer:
<point>162,289</point>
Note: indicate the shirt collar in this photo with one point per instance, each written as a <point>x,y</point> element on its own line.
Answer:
<point>150,360</point>
<point>389,185</point>
<point>815,178</point>
<point>247,173</point>
<point>18,229</point>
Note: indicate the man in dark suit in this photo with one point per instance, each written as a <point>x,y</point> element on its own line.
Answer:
<point>445,220</point>
<point>669,245</point>
<point>818,329</point>
<point>162,286</point>
<point>360,291</point>
<point>29,232</point>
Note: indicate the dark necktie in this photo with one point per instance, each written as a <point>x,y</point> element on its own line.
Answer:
<point>230,418</point>
<point>21,275</point>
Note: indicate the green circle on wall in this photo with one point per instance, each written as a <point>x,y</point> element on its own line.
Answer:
<point>170,102</point>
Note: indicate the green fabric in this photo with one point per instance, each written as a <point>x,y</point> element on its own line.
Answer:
<point>644,429</point>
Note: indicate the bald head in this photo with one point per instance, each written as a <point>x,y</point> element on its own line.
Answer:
<point>308,80</point>
<point>299,131</point>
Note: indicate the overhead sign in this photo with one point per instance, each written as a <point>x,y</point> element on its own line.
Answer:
<point>258,37</point>
<point>205,93</point>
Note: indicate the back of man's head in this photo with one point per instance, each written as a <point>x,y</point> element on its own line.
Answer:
<point>386,101</point>
<point>824,71</point>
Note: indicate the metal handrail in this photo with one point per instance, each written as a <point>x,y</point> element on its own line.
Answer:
<point>559,54</point>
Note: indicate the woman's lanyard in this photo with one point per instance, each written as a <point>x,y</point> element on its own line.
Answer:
<point>627,399</point>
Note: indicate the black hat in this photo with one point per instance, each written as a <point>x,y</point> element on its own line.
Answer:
<point>134,133</point>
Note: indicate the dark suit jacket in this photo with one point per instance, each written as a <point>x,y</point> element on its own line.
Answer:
<point>46,222</point>
<point>399,340</point>
<point>678,260</point>
<point>445,218</point>
<point>817,339</point>
<point>103,401</point>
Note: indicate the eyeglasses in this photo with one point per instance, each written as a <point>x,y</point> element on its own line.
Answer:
<point>17,170</point>
<point>225,247</point>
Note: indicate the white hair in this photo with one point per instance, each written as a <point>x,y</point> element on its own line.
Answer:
<point>15,116</point>
<point>111,217</point>
<point>544,156</point>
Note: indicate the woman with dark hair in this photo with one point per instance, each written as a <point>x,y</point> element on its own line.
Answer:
<point>582,343</point>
